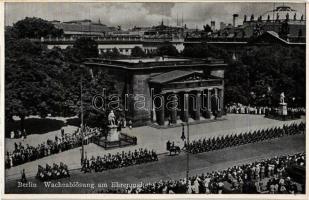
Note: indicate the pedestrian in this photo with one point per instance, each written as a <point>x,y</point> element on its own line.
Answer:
<point>168,145</point>
<point>130,124</point>
<point>19,134</point>
<point>23,176</point>
<point>12,135</point>
<point>25,133</point>
<point>62,132</point>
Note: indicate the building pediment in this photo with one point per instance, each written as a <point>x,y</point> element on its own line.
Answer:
<point>177,76</point>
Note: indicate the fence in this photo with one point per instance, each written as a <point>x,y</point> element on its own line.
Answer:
<point>124,140</point>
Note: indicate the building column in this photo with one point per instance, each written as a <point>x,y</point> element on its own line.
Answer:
<point>154,115</point>
<point>174,110</point>
<point>222,100</point>
<point>161,113</point>
<point>208,100</point>
<point>197,112</point>
<point>217,98</point>
<point>185,107</point>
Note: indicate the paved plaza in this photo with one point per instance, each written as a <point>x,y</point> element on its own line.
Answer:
<point>174,167</point>
<point>147,137</point>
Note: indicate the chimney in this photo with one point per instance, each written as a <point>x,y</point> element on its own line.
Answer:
<point>234,19</point>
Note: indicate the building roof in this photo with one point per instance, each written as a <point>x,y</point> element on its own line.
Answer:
<point>151,64</point>
<point>82,26</point>
<point>275,36</point>
<point>170,76</point>
<point>281,13</point>
<point>149,60</point>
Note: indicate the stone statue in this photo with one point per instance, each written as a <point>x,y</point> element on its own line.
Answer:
<point>111,118</point>
<point>282,97</point>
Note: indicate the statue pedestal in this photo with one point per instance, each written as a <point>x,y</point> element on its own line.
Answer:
<point>283,109</point>
<point>113,134</point>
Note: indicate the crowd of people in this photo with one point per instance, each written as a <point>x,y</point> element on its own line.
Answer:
<point>266,176</point>
<point>238,108</point>
<point>215,143</point>
<point>15,134</point>
<point>52,173</point>
<point>63,142</point>
<point>292,113</point>
<point>118,160</point>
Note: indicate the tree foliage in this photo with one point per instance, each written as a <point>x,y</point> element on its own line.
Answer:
<point>32,27</point>
<point>277,69</point>
<point>204,51</point>
<point>85,48</point>
<point>167,50</point>
<point>114,53</point>
<point>41,81</point>
<point>138,52</point>
<point>261,73</point>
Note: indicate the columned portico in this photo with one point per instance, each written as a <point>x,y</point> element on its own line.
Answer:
<point>161,112</point>
<point>139,79</point>
<point>209,99</point>
<point>186,96</point>
<point>221,100</point>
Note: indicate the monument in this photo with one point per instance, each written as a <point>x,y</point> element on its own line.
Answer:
<point>282,105</point>
<point>113,133</point>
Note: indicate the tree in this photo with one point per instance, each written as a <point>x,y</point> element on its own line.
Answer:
<point>167,50</point>
<point>204,51</point>
<point>277,69</point>
<point>138,52</point>
<point>31,81</point>
<point>86,48</point>
<point>236,83</point>
<point>41,81</point>
<point>36,28</point>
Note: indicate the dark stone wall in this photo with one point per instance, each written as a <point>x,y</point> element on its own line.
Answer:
<point>142,99</point>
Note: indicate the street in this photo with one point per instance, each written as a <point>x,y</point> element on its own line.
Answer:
<point>170,167</point>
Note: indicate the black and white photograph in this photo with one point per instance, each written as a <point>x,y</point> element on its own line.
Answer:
<point>199,98</point>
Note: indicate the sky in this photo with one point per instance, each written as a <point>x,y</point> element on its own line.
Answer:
<point>128,15</point>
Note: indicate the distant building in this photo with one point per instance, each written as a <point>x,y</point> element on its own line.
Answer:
<point>222,25</point>
<point>85,28</point>
<point>285,21</point>
<point>139,30</point>
<point>163,31</point>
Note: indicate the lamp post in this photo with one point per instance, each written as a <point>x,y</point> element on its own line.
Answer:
<point>82,118</point>
<point>183,137</point>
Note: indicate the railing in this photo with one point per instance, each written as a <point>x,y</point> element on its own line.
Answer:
<point>111,39</point>
<point>124,140</point>
<point>129,139</point>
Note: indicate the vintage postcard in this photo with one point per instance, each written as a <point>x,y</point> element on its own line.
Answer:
<point>199,98</point>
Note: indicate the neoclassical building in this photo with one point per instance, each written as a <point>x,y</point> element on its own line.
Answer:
<point>167,90</point>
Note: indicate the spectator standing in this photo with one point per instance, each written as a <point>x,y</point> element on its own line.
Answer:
<point>23,176</point>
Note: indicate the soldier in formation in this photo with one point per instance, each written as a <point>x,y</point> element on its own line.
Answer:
<point>118,160</point>
<point>52,173</point>
<point>215,143</point>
